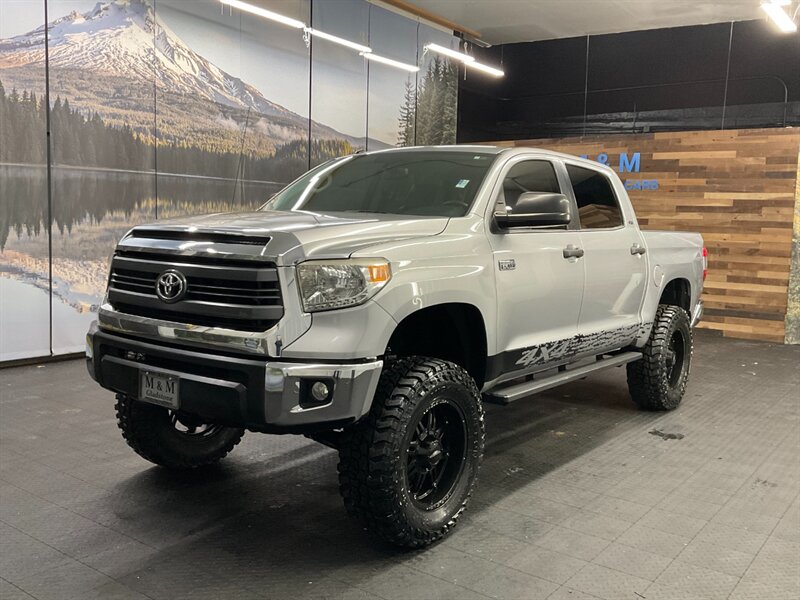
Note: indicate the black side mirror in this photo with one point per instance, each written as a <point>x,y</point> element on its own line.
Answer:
<point>537,209</point>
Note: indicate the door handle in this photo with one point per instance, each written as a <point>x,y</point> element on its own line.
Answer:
<point>572,252</point>
<point>638,249</point>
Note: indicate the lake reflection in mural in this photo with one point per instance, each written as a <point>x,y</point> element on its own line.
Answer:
<point>95,209</point>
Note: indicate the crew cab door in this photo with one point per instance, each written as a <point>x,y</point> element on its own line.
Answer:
<point>539,285</point>
<point>614,259</point>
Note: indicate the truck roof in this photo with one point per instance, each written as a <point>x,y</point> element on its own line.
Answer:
<point>489,149</point>
<point>444,148</point>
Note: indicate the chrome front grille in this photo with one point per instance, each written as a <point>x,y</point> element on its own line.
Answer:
<point>234,294</point>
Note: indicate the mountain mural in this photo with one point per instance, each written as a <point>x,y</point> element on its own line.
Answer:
<point>108,60</point>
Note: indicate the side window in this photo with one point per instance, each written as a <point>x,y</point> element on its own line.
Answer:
<point>597,205</point>
<point>527,176</point>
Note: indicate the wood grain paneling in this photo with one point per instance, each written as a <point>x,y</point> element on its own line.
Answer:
<point>737,188</point>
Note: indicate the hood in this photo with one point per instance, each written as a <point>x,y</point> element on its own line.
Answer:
<point>294,236</point>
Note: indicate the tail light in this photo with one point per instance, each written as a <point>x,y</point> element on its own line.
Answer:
<point>705,263</point>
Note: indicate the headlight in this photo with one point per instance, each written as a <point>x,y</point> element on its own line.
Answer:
<point>325,285</point>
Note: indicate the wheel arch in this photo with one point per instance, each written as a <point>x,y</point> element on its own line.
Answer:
<point>678,292</point>
<point>453,331</point>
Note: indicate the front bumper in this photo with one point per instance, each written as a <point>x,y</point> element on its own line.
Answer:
<point>265,395</point>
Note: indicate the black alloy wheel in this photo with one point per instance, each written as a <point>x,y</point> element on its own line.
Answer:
<point>675,357</point>
<point>407,470</point>
<point>190,425</point>
<point>435,454</point>
<point>173,439</point>
<point>658,380</point>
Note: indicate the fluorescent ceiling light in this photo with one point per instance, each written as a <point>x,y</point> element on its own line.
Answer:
<point>263,12</point>
<point>485,68</point>
<point>465,58</point>
<point>391,62</point>
<point>779,17</point>
<point>338,40</point>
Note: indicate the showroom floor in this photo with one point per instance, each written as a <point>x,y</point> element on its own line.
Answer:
<point>581,496</point>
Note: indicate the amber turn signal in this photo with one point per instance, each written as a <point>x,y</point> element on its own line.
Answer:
<point>379,273</point>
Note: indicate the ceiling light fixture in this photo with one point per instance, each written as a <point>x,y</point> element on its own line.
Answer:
<point>485,68</point>
<point>469,61</point>
<point>337,40</point>
<point>779,16</point>
<point>465,58</point>
<point>263,12</point>
<point>391,62</point>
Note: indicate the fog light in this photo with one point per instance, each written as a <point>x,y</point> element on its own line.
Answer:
<point>320,391</point>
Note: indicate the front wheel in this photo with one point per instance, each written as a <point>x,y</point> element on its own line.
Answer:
<point>407,471</point>
<point>173,439</point>
<point>658,380</point>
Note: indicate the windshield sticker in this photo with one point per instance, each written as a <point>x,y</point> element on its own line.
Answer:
<point>462,183</point>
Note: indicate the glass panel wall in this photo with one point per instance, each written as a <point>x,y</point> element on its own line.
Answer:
<point>101,118</point>
<point>437,90</point>
<point>168,108</point>
<point>338,80</point>
<point>392,91</point>
<point>24,240</point>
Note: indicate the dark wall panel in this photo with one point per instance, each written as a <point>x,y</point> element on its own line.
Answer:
<point>659,56</point>
<point>552,66</point>
<point>656,80</point>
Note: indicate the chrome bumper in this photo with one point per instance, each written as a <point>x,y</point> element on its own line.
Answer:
<point>353,386</point>
<point>697,313</point>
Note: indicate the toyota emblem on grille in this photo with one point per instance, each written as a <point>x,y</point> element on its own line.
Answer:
<point>171,286</point>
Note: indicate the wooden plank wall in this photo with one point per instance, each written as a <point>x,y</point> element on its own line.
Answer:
<point>737,188</point>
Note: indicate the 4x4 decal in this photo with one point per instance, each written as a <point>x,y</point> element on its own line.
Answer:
<point>543,354</point>
<point>578,344</point>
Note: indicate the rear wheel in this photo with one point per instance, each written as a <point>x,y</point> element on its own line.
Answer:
<point>407,471</point>
<point>658,380</point>
<point>171,438</point>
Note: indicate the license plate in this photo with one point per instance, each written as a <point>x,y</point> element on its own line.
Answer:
<point>159,388</point>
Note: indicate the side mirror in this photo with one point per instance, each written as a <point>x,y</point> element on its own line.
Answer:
<point>537,209</point>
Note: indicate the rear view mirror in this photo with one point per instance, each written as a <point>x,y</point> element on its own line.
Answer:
<point>537,209</point>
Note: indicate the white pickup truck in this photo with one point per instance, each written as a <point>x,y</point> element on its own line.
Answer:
<point>377,301</point>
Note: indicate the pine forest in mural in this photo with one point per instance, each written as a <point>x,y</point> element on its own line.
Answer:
<point>429,115</point>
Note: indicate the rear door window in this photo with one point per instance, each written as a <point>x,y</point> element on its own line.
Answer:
<point>598,207</point>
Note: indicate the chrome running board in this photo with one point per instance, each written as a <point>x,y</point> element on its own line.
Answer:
<point>504,394</point>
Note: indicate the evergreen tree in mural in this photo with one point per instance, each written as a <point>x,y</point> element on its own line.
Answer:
<point>22,135</point>
<point>405,136</point>
<point>434,116</point>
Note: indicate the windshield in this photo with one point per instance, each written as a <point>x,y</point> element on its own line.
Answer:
<point>425,183</point>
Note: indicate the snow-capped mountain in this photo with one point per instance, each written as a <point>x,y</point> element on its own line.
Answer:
<point>116,40</point>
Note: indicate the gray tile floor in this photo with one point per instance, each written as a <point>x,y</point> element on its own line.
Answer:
<point>578,499</point>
